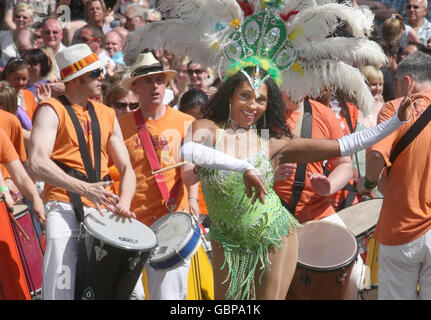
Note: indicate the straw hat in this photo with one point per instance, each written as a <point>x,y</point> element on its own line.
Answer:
<point>76,60</point>
<point>145,65</point>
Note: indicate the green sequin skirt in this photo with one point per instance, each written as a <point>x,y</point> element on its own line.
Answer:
<point>243,262</point>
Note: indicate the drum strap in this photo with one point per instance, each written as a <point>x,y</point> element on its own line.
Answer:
<point>409,136</point>
<point>93,173</point>
<point>153,160</point>
<point>299,182</point>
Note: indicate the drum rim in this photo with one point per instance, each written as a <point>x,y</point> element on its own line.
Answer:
<point>103,239</point>
<point>22,213</point>
<point>338,266</point>
<point>190,236</point>
<point>171,260</point>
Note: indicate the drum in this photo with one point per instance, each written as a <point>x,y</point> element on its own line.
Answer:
<point>370,289</point>
<point>112,254</point>
<point>178,236</point>
<point>326,254</point>
<point>361,220</point>
<point>13,284</point>
<point>29,247</point>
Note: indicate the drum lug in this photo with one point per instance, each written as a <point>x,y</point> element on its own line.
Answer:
<point>341,278</point>
<point>305,281</point>
<point>100,252</point>
<point>133,262</point>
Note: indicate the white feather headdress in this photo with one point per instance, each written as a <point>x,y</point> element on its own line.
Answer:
<point>296,37</point>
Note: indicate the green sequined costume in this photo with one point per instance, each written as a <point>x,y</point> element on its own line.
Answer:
<point>247,232</point>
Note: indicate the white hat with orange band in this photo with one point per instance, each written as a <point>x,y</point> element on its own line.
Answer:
<point>76,60</point>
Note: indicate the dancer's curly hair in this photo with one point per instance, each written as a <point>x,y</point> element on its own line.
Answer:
<point>217,109</point>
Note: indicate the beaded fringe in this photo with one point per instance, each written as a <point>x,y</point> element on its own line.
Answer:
<point>242,263</point>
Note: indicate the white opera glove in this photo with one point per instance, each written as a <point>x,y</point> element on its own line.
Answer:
<point>364,139</point>
<point>207,157</point>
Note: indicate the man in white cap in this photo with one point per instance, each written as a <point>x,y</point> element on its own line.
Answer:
<point>63,129</point>
<point>164,127</point>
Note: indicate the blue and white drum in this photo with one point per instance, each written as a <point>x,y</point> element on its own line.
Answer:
<point>178,236</point>
<point>112,254</point>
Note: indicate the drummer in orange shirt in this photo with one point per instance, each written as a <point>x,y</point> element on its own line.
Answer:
<point>313,202</point>
<point>403,228</point>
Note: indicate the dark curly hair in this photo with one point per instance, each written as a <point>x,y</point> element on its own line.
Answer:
<point>217,109</point>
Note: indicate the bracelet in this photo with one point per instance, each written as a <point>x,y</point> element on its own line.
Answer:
<point>369,185</point>
<point>197,199</point>
<point>3,189</point>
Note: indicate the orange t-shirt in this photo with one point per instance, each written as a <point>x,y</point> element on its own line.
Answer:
<point>66,146</point>
<point>311,205</point>
<point>30,103</point>
<point>406,209</point>
<point>7,150</point>
<point>166,134</point>
<point>12,127</point>
<point>338,197</point>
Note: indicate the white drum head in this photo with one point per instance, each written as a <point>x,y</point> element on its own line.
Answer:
<point>121,232</point>
<point>19,209</point>
<point>362,216</point>
<point>173,231</point>
<point>325,245</point>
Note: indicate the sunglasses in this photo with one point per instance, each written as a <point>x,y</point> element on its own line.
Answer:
<point>412,7</point>
<point>197,71</point>
<point>95,73</point>
<point>124,105</point>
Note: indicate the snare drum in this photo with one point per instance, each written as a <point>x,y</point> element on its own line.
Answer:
<point>326,254</point>
<point>178,236</point>
<point>29,247</point>
<point>361,220</point>
<point>13,284</point>
<point>112,254</point>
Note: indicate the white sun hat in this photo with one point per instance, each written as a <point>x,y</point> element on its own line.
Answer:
<point>76,60</point>
<point>145,65</point>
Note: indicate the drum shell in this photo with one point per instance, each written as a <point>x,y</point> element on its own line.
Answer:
<point>315,278</point>
<point>13,284</point>
<point>30,250</point>
<point>111,277</point>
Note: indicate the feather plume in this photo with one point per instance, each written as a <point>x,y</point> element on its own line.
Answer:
<point>329,73</point>
<point>353,51</point>
<point>160,35</point>
<point>321,21</point>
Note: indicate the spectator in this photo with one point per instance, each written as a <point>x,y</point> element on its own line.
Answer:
<point>199,78</point>
<point>113,44</point>
<point>409,49</point>
<point>41,10</point>
<point>93,36</point>
<point>416,11</point>
<point>36,28</point>
<point>136,17</point>
<point>25,41</point>
<point>22,18</point>
<point>392,52</point>
<point>95,11</point>
<point>394,30</point>
<point>52,35</point>
<point>39,67</point>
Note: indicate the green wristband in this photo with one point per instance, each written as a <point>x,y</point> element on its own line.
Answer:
<point>3,189</point>
<point>369,185</point>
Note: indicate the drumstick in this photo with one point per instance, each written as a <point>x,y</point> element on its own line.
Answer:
<point>170,167</point>
<point>19,227</point>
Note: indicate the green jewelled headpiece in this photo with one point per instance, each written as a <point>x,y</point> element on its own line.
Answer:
<point>261,40</point>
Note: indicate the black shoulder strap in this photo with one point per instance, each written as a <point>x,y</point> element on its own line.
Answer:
<point>299,183</point>
<point>410,135</point>
<point>93,173</point>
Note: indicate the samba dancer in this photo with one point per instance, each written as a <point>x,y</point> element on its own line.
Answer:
<point>260,52</point>
<point>56,157</point>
